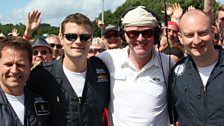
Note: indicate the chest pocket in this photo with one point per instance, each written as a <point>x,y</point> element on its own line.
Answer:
<point>118,80</point>
<point>156,88</point>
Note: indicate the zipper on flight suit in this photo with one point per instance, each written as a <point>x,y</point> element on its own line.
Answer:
<point>205,106</point>
<point>79,99</point>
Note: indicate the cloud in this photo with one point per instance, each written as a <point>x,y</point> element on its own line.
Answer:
<point>53,12</point>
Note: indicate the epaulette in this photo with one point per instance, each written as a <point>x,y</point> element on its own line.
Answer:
<point>47,64</point>
<point>36,66</point>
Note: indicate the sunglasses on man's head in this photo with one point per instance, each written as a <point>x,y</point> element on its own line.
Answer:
<point>72,37</point>
<point>133,34</point>
<point>58,46</point>
<point>95,50</point>
<point>42,52</point>
<point>110,35</point>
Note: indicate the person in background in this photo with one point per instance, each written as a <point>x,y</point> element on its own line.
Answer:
<point>170,37</point>
<point>196,82</point>
<point>42,51</point>
<point>54,42</point>
<point>175,53</point>
<point>216,35</point>
<point>77,87</point>
<point>20,104</point>
<point>111,37</point>
<point>173,30</point>
<point>163,44</point>
<point>138,73</point>
<point>220,21</point>
<point>97,47</point>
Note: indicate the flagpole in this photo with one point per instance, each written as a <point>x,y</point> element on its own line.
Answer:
<point>102,16</point>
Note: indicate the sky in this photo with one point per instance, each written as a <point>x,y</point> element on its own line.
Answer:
<point>54,11</point>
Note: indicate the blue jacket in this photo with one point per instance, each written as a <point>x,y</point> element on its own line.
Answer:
<point>194,104</point>
<point>66,108</point>
<point>34,116</point>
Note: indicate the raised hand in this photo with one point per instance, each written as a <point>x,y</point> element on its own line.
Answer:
<point>177,11</point>
<point>169,9</point>
<point>191,7</point>
<point>32,23</point>
<point>15,32</point>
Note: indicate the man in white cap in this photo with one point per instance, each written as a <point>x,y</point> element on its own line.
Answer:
<point>138,73</point>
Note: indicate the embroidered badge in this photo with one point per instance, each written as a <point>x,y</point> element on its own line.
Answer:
<point>100,71</point>
<point>179,70</point>
<point>102,78</point>
<point>41,107</point>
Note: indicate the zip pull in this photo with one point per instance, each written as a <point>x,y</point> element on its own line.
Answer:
<point>185,90</point>
<point>79,100</point>
<point>58,100</point>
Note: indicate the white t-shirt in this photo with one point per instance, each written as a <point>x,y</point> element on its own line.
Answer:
<point>205,72</point>
<point>17,103</point>
<point>77,80</point>
<point>138,98</point>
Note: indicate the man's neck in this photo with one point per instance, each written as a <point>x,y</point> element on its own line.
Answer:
<point>207,60</point>
<point>13,91</point>
<point>75,65</point>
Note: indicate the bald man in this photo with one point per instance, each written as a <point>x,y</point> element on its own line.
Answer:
<point>196,86</point>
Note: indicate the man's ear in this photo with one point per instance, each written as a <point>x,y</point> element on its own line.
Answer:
<point>60,35</point>
<point>180,38</point>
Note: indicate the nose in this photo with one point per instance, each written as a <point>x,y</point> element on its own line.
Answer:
<point>14,68</point>
<point>39,53</point>
<point>196,39</point>
<point>55,48</point>
<point>140,37</point>
<point>170,32</point>
<point>78,41</point>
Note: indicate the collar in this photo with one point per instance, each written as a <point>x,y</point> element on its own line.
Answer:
<point>125,61</point>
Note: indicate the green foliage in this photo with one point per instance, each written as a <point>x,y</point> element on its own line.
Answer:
<point>44,28</point>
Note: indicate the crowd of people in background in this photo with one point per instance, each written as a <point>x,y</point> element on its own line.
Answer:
<point>143,72</point>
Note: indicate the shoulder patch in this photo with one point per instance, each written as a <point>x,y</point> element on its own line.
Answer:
<point>179,69</point>
<point>36,66</point>
<point>46,64</point>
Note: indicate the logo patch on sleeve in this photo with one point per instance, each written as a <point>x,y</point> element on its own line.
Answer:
<point>41,107</point>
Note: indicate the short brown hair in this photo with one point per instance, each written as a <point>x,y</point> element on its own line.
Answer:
<point>16,42</point>
<point>220,8</point>
<point>77,18</point>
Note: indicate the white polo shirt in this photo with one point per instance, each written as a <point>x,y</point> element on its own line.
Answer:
<point>138,98</point>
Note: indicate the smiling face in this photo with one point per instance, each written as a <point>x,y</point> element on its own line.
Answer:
<point>14,70</point>
<point>196,35</point>
<point>76,49</point>
<point>41,54</point>
<point>172,33</point>
<point>55,43</point>
<point>142,44</point>
<point>112,39</point>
